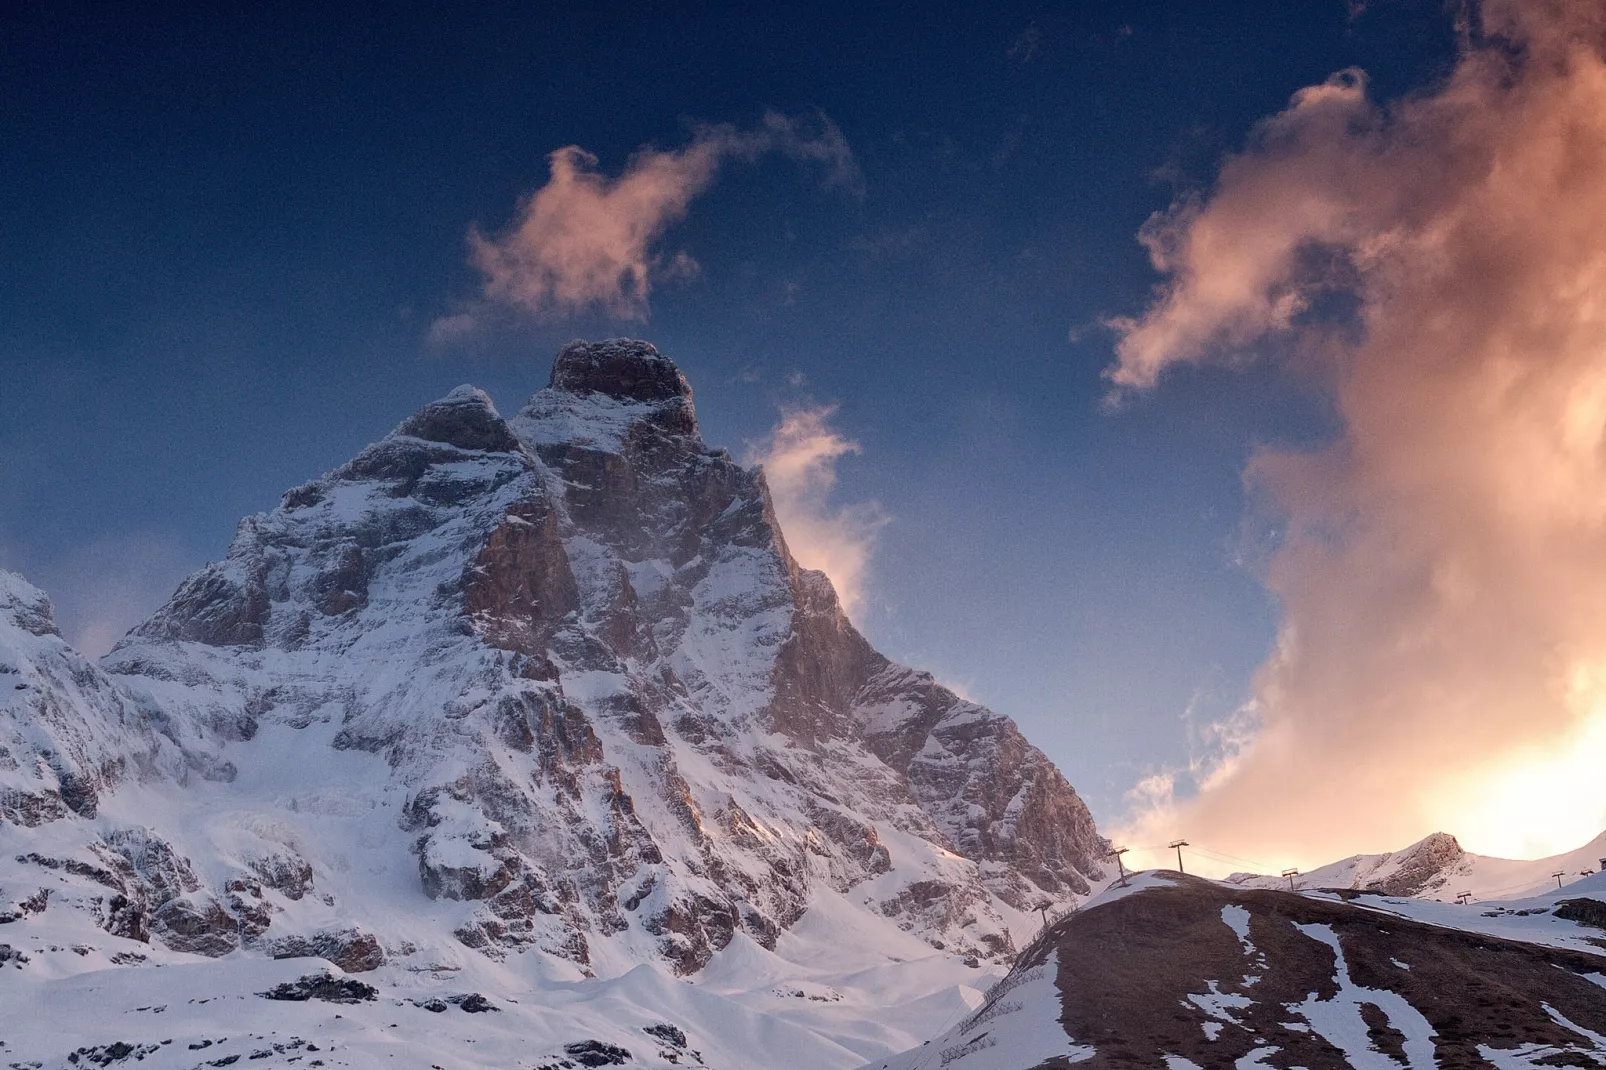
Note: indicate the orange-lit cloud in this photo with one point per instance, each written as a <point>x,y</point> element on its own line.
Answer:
<point>588,242</point>
<point>1441,661</point>
<point>799,459</point>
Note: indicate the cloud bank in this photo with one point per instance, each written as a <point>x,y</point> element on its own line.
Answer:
<point>799,459</point>
<point>1441,661</point>
<point>588,242</point>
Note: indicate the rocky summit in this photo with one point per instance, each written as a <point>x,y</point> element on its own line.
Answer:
<point>549,685</point>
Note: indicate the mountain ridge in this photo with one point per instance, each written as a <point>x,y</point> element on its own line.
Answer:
<point>1182,972</point>
<point>548,689</point>
<point>1437,866</point>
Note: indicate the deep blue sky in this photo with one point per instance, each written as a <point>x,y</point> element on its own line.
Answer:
<point>223,237</point>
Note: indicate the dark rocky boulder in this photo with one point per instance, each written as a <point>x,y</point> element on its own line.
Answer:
<point>323,986</point>
<point>353,950</point>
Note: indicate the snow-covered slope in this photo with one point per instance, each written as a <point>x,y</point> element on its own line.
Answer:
<point>68,736</point>
<point>818,1001</point>
<point>1181,972</point>
<point>546,697</point>
<point>1438,868</point>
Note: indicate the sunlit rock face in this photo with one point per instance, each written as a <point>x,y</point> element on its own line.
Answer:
<point>1426,868</point>
<point>555,683</point>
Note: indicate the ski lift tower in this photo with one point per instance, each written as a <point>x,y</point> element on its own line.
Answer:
<point>1178,845</point>
<point>1116,853</point>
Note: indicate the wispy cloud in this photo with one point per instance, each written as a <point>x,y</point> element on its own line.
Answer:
<point>589,242</point>
<point>104,587</point>
<point>799,458</point>
<point>1026,45</point>
<point>1442,658</point>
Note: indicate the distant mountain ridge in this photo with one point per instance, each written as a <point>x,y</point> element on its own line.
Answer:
<point>1437,867</point>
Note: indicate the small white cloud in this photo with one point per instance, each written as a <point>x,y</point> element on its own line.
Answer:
<point>799,459</point>
<point>1026,45</point>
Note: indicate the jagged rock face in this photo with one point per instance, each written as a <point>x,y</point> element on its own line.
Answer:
<point>1423,869</point>
<point>1420,868</point>
<point>67,736</point>
<point>567,661</point>
<point>994,796</point>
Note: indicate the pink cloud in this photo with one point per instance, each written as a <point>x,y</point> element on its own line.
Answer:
<point>589,242</point>
<point>1441,661</point>
<point>799,459</point>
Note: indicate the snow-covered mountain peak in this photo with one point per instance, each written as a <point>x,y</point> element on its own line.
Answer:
<point>1438,867</point>
<point>603,395</point>
<point>465,418</point>
<point>24,606</point>
<point>67,734</point>
<point>547,690</point>
<point>1422,868</point>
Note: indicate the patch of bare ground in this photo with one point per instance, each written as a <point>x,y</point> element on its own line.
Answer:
<point>1135,977</point>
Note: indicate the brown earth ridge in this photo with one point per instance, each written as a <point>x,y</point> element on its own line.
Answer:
<point>1131,974</point>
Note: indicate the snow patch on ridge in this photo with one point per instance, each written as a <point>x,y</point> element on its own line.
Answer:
<point>1016,1025</point>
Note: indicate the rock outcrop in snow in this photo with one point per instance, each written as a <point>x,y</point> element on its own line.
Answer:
<point>68,736</point>
<point>546,683</point>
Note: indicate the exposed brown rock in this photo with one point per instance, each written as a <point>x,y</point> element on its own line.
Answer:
<point>1591,912</point>
<point>288,874</point>
<point>693,929</point>
<point>621,368</point>
<point>1127,969</point>
<point>1424,868</point>
<point>821,668</point>
<point>252,912</point>
<point>519,586</point>
<point>343,585</point>
<point>197,924</point>
<point>218,606</point>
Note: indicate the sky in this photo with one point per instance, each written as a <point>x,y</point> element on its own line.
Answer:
<point>1075,338</point>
